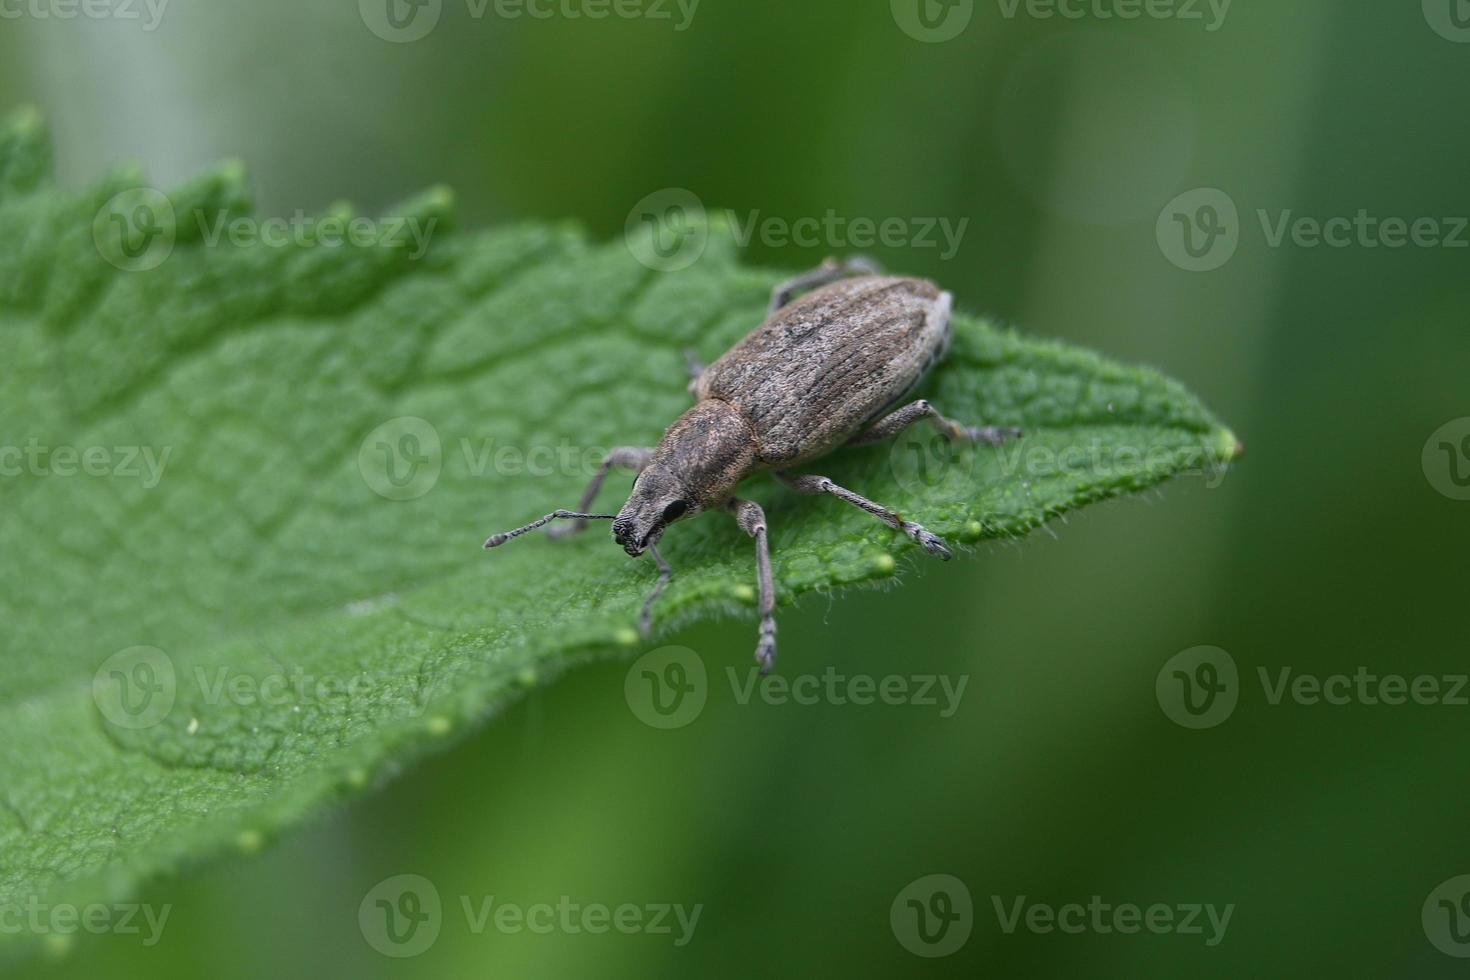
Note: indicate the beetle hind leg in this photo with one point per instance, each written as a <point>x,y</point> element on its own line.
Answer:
<point>896,422</point>
<point>828,272</point>
<point>929,541</point>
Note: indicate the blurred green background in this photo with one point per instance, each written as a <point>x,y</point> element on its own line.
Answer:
<point>1062,140</point>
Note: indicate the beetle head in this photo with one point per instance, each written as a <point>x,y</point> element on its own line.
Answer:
<point>702,457</point>
<point>656,502</point>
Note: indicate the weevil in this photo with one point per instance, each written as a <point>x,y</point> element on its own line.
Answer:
<point>823,371</point>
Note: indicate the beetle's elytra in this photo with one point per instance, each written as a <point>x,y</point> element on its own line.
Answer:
<point>824,371</point>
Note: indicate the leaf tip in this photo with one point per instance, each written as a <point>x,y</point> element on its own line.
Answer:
<point>1227,446</point>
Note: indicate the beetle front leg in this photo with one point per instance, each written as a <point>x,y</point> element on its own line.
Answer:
<point>829,271</point>
<point>949,428</point>
<point>752,521</point>
<point>629,457</point>
<point>932,543</point>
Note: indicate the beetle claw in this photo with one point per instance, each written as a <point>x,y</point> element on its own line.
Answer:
<point>931,542</point>
<point>765,653</point>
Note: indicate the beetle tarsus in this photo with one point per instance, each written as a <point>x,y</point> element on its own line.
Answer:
<point>765,651</point>
<point>930,542</point>
<point>992,435</point>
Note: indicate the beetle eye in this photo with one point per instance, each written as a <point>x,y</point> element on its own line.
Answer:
<point>675,511</point>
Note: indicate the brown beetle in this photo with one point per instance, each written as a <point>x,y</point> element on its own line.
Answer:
<point>821,372</point>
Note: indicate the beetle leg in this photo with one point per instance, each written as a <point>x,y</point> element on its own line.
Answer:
<point>696,369</point>
<point>631,457</point>
<point>932,543</point>
<point>665,573</point>
<point>949,428</point>
<point>829,271</point>
<point>752,521</point>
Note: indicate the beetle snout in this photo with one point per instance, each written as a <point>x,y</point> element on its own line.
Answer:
<point>633,539</point>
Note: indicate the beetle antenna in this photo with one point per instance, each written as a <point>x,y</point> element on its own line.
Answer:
<point>665,573</point>
<point>496,540</point>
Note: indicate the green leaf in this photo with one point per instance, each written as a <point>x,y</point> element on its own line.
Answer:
<point>224,545</point>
